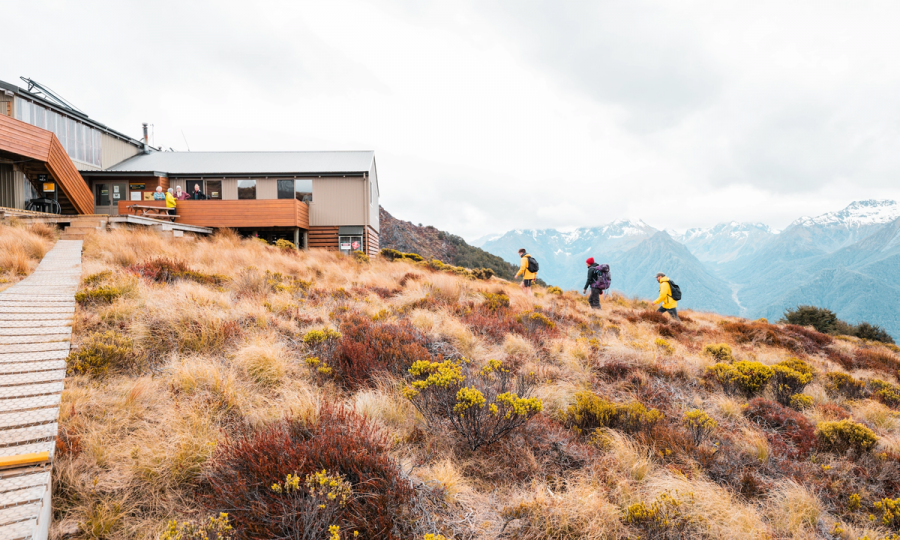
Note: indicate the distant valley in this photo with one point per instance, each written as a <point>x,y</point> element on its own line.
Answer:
<point>847,261</point>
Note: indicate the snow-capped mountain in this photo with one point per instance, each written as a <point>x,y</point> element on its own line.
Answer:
<point>726,242</point>
<point>834,230</point>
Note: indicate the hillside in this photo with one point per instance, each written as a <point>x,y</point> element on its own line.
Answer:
<point>206,371</point>
<point>432,243</point>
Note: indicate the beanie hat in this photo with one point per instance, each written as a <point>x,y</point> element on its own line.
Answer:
<point>590,261</point>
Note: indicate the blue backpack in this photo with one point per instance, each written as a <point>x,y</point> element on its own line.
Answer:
<point>603,279</point>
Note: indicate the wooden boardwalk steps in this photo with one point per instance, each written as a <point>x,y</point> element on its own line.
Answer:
<point>35,329</point>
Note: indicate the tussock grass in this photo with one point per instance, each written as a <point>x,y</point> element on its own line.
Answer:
<point>226,357</point>
<point>22,247</point>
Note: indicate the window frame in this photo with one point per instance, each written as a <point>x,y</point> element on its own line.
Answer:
<point>255,187</point>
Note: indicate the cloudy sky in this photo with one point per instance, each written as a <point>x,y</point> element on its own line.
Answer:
<point>488,116</point>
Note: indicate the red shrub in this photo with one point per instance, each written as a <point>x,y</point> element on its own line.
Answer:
<point>837,356</point>
<point>877,359</point>
<point>832,411</point>
<point>367,348</point>
<point>786,423</point>
<point>162,270</point>
<point>243,469</point>
<point>792,337</point>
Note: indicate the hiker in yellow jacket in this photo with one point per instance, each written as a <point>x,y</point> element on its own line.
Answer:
<point>527,276</point>
<point>665,297</point>
<point>171,201</point>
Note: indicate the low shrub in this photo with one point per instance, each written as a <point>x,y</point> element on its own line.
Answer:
<point>163,270</point>
<point>481,405</point>
<point>215,528</point>
<point>790,377</point>
<point>720,351</point>
<point>699,424</point>
<point>885,392</point>
<point>872,332</point>
<point>890,513</point>
<point>664,347</point>
<point>801,401</point>
<point>823,320</point>
<point>536,321</point>
<point>843,436</point>
<point>368,348</point>
<point>787,424</point>
<point>101,295</point>
<point>663,518</point>
<point>245,467</point>
<point>310,509</point>
<point>877,359</point>
<point>360,257</point>
<point>554,290</point>
<point>590,412</point>
<point>96,279</point>
<point>482,273</point>
<point>747,378</point>
<point>102,352</point>
<point>838,383</point>
<point>284,245</point>
<point>495,301</point>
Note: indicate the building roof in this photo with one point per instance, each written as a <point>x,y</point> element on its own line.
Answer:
<point>249,163</point>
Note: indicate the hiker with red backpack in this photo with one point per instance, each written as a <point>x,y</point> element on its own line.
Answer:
<point>669,295</point>
<point>528,269</point>
<point>598,279</point>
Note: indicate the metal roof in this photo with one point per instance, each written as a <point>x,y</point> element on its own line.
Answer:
<point>243,163</point>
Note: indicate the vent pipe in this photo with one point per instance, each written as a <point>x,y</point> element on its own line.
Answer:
<point>146,139</point>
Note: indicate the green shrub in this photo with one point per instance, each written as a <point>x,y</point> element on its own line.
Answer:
<point>495,301</point>
<point>590,412</point>
<point>360,257</point>
<point>844,435</point>
<point>885,392</point>
<point>285,245</point>
<point>801,401</point>
<point>721,352</point>
<point>481,405</point>
<point>101,295</point>
<point>699,424</point>
<point>483,273</point>
<point>872,332</point>
<point>838,383</point>
<point>748,378</point>
<point>823,320</point>
<point>96,279</point>
<point>102,352</point>
<point>790,377</point>
<point>215,528</point>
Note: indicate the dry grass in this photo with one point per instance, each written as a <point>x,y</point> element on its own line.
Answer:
<point>229,357</point>
<point>22,246</point>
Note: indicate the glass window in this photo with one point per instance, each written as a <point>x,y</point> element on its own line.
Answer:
<point>101,194</point>
<point>72,147</point>
<point>98,139</point>
<point>213,189</point>
<point>246,189</point>
<point>39,117</point>
<point>285,189</point>
<point>303,190</point>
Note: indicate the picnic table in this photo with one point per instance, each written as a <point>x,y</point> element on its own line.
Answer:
<point>157,212</point>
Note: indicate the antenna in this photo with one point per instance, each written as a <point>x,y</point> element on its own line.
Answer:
<point>42,91</point>
<point>185,141</point>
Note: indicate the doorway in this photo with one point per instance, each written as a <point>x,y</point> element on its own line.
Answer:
<point>107,196</point>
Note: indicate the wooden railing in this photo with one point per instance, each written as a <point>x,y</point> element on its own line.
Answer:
<point>235,214</point>
<point>23,139</point>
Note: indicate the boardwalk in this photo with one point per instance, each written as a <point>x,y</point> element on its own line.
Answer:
<point>35,327</point>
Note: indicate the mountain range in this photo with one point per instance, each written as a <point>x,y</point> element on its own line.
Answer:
<point>847,261</point>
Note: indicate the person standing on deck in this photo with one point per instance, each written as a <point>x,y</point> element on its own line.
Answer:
<point>171,202</point>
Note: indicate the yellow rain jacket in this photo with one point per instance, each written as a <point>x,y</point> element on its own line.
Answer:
<point>170,200</point>
<point>665,294</point>
<point>523,269</point>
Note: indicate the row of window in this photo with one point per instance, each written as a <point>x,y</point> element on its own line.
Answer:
<point>81,141</point>
<point>287,189</point>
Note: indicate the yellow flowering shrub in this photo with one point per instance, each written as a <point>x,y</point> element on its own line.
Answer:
<point>102,352</point>
<point>837,383</point>
<point>482,405</point>
<point>885,392</point>
<point>317,337</point>
<point>721,352</point>
<point>662,518</point>
<point>665,347</point>
<point>801,401</point>
<point>699,424</point>
<point>554,290</point>
<point>748,378</point>
<point>315,503</point>
<point>590,412</point>
<point>843,436</point>
<point>495,301</point>
<point>790,377</point>
<point>890,512</point>
<point>215,528</point>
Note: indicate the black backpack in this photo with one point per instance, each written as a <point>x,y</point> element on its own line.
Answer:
<point>676,291</point>
<point>532,265</point>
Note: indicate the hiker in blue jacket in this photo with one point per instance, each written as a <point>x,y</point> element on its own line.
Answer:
<point>593,274</point>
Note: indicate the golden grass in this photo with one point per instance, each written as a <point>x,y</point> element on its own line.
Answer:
<point>22,247</point>
<point>228,357</point>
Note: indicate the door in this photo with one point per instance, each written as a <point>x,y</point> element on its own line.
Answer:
<point>107,196</point>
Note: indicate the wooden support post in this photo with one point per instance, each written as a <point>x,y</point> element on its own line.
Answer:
<point>296,237</point>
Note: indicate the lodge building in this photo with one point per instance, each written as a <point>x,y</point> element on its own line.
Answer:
<point>54,158</point>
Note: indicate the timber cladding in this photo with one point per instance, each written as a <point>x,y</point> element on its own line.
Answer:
<point>372,244</point>
<point>238,214</point>
<point>323,238</point>
<point>23,139</point>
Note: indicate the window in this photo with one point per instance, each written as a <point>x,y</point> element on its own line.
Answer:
<point>213,189</point>
<point>189,186</point>
<point>246,189</point>
<point>101,195</point>
<point>285,189</point>
<point>303,190</point>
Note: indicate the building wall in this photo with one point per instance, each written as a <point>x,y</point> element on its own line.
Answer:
<point>372,219</point>
<point>6,105</point>
<point>267,188</point>
<point>12,187</point>
<point>338,201</point>
<point>229,189</point>
<point>115,150</point>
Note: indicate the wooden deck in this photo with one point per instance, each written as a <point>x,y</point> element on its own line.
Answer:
<point>35,328</point>
<point>235,214</point>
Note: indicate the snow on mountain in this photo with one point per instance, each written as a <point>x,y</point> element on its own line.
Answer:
<point>726,242</point>
<point>859,213</point>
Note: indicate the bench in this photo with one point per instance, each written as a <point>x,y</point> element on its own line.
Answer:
<point>157,212</point>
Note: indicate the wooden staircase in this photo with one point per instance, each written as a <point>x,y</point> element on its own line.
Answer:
<point>80,227</point>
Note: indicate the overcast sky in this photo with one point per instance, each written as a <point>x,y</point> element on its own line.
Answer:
<point>489,116</point>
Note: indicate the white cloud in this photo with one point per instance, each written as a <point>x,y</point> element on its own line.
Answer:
<point>488,117</point>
